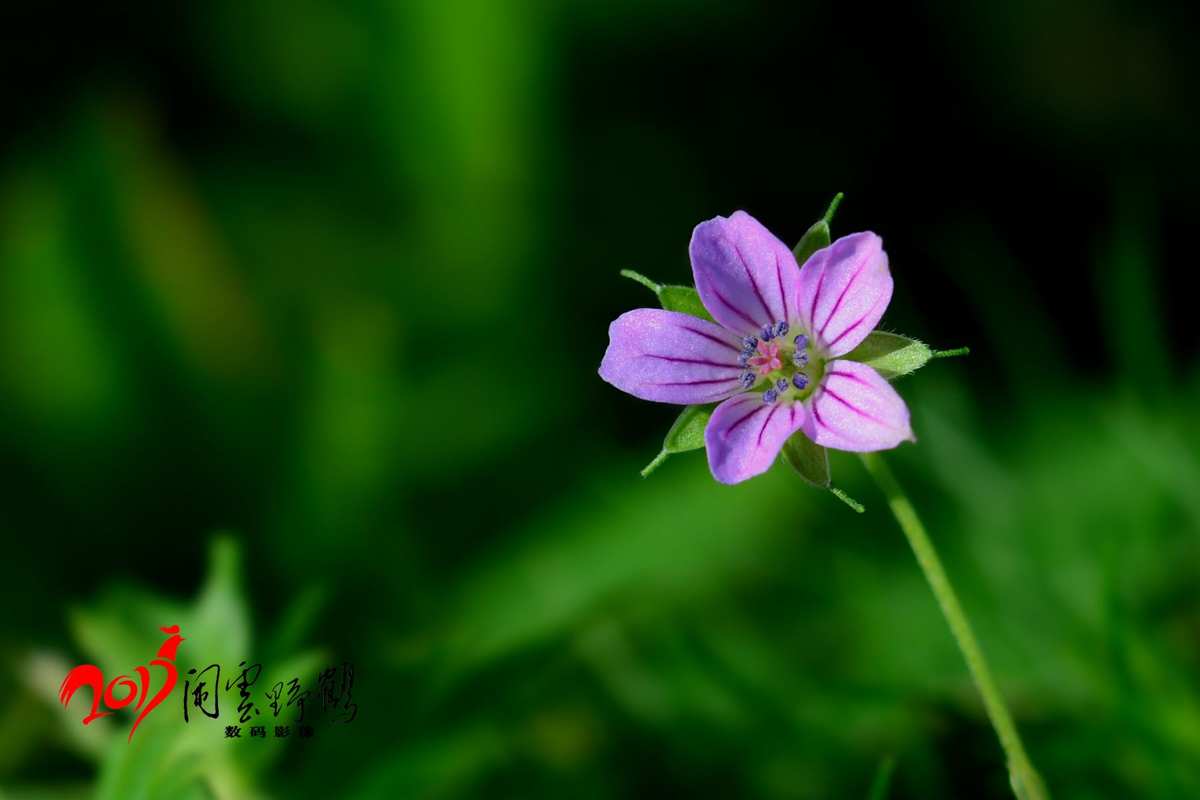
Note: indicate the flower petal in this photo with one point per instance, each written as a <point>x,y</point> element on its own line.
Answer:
<point>670,357</point>
<point>855,409</point>
<point>844,290</point>
<point>745,435</point>
<point>746,277</point>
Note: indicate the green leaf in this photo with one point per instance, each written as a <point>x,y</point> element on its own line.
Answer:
<point>890,354</point>
<point>818,235</point>
<point>167,760</point>
<point>683,299</point>
<point>883,778</point>
<point>448,764</point>
<point>687,433</point>
<point>808,458</point>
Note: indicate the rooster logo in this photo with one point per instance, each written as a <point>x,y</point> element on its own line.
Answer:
<point>123,690</point>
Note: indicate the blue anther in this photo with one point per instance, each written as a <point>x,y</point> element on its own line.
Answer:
<point>800,358</point>
<point>747,380</point>
<point>767,333</point>
<point>744,359</point>
<point>781,385</point>
<point>781,329</point>
<point>801,341</point>
<point>770,396</point>
<point>800,380</point>
<point>749,342</point>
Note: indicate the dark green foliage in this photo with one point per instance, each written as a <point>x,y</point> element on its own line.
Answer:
<point>337,277</point>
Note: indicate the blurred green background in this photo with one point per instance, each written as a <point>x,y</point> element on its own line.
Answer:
<point>334,279</point>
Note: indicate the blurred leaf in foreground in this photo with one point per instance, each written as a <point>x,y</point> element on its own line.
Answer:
<point>167,758</point>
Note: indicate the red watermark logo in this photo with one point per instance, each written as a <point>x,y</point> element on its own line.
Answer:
<point>122,690</point>
<point>202,692</point>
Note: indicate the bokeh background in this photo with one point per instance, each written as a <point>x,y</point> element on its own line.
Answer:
<point>301,305</point>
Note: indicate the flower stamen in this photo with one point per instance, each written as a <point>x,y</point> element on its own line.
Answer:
<point>767,358</point>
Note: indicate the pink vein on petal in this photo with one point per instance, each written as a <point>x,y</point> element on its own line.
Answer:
<point>733,308</point>
<point>849,375</point>
<point>737,424</point>
<point>812,312</point>
<point>854,408</point>
<point>860,321</point>
<point>753,285</point>
<point>705,362</point>
<point>763,429</point>
<point>692,383</point>
<point>817,415</point>
<point>782,293</point>
<point>838,303</point>
<point>710,337</point>
<point>842,335</point>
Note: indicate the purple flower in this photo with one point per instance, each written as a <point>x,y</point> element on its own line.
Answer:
<point>750,283</point>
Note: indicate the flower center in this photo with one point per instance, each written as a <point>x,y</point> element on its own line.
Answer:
<point>778,365</point>
<point>766,359</point>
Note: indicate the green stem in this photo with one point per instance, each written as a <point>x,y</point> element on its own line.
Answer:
<point>1026,783</point>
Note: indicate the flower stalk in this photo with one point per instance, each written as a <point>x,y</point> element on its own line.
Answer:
<point>1026,783</point>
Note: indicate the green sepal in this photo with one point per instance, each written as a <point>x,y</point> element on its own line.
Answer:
<point>813,240</point>
<point>808,458</point>
<point>890,354</point>
<point>812,462</point>
<point>855,506</point>
<point>687,433</point>
<point>818,235</point>
<point>683,299</point>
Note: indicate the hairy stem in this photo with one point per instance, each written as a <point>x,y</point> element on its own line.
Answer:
<point>1026,783</point>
